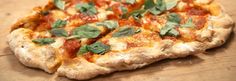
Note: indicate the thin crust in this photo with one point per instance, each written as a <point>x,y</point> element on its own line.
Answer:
<point>215,34</point>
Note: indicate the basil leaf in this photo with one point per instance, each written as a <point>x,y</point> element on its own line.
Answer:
<point>87,8</point>
<point>83,50</point>
<point>149,4</point>
<point>171,4</point>
<point>59,23</point>
<point>59,32</point>
<point>98,48</point>
<point>43,41</point>
<point>173,17</point>
<point>167,28</point>
<point>110,24</point>
<point>59,4</point>
<point>124,9</point>
<point>86,31</point>
<point>173,32</point>
<point>124,31</point>
<point>130,1</point>
<point>138,31</point>
<point>137,14</point>
<point>189,23</point>
<point>159,7</point>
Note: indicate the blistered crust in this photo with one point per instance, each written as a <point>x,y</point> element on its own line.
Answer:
<point>30,54</point>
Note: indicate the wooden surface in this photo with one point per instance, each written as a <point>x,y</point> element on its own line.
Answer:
<point>217,64</point>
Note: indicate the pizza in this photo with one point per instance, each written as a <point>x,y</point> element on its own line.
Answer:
<point>81,39</point>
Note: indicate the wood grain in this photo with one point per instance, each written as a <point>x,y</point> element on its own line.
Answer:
<point>217,64</point>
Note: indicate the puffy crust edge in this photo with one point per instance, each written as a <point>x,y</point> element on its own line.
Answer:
<point>30,54</point>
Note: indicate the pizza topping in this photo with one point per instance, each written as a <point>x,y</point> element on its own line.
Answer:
<point>43,41</point>
<point>188,24</point>
<point>86,31</point>
<point>59,4</point>
<point>71,47</point>
<point>157,8</point>
<point>125,31</point>
<point>123,9</point>
<point>86,8</point>
<point>171,4</point>
<point>83,50</point>
<point>59,23</point>
<point>97,48</point>
<point>110,24</point>
<point>173,17</point>
<point>130,1</point>
<point>59,32</point>
<point>137,14</point>
<point>169,30</point>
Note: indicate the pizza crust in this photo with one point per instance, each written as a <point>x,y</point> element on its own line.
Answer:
<point>30,54</point>
<point>48,59</point>
<point>220,27</point>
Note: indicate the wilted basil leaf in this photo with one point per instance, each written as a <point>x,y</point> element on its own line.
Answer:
<point>86,31</point>
<point>171,4</point>
<point>173,17</point>
<point>87,8</point>
<point>124,10</point>
<point>43,41</point>
<point>110,24</point>
<point>137,14</point>
<point>59,23</point>
<point>169,29</point>
<point>189,23</point>
<point>149,4</point>
<point>59,4</point>
<point>83,50</point>
<point>98,48</point>
<point>124,31</point>
<point>59,32</point>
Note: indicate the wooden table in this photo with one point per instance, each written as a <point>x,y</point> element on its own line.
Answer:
<point>218,64</point>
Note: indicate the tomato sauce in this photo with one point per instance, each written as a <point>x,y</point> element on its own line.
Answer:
<point>71,47</point>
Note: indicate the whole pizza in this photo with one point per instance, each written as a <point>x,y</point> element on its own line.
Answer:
<point>81,39</point>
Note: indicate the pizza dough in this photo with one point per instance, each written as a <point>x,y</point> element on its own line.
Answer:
<point>151,48</point>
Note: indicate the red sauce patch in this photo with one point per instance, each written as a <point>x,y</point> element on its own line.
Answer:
<point>197,11</point>
<point>84,18</point>
<point>45,23</point>
<point>200,22</point>
<point>72,46</point>
<point>88,56</point>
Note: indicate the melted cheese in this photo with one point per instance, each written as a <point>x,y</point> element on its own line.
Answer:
<point>117,45</point>
<point>58,42</point>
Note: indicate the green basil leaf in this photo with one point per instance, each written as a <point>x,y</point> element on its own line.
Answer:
<point>59,32</point>
<point>137,14</point>
<point>124,31</point>
<point>168,27</point>
<point>130,1</point>
<point>173,17</point>
<point>189,23</point>
<point>173,32</point>
<point>159,7</point>
<point>149,4</point>
<point>59,4</point>
<point>98,48</point>
<point>124,9</point>
<point>43,41</point>
<point>59,23</point>
<point>86,31</point>
<point>110,24</point>
<point>87,8</point>
<point>171,4</point>
<point>83,50</point>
